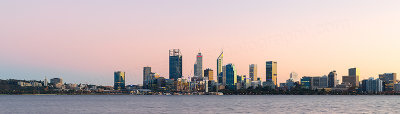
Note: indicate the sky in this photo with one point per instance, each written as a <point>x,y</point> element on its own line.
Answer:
<point>86,41</point>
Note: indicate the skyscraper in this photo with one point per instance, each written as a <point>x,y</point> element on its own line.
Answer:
<point>198,66</point>
<point>389,79</point>
<point>146,76</point>
<point>209,74</point>
<point>253,72</point>
<point>355,74</point>
<point>175,64</point>
<point>119,80</point>
<point>220,60</point>
<point>332,79</point>
<point>271,72</point>
<point>231,76</point>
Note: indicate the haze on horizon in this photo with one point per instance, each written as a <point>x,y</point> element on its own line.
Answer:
<point>86,41</point>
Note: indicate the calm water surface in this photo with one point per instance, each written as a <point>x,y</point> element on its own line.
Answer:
<point>197,104</point>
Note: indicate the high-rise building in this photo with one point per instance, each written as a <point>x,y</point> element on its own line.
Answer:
<point>332,79</point>
<point>323,82</point>
<point>198,66</point>
<point>315,82</point>
<point>271,72</point>
<point>389,79</point>
<point>175,64</point>
<point>146,77</point>
<point>119,80</point>
<point>45,82</point>
<point>373,86</point>
<point>209,73</point>
<point>306,82</point>
<point>231,76</point>
<point>220,60</point>
<point>294,76</point>
<point>355,73</point>
<point>253,72</point>
<point>223,77</point>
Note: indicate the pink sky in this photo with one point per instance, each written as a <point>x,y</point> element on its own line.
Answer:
<point>85,41</point>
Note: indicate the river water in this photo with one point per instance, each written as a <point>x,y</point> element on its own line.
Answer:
<point>270,104</point>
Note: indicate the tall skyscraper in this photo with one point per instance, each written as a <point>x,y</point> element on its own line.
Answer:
<point>119,80</point>
<point>175,64</point>
<point>253,72</point>
<point>389,79</point>
<point>146,77</point>
<point>231,76</point>
<point>198,66</point>
<point>332,79</point>
<point>208,73</point>
<point>355,74</point>
<point>271,72</point>
<point>220,60</point>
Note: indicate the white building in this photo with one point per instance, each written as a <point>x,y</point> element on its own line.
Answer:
<point>374,86</point>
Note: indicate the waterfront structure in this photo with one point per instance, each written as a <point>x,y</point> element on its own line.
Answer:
<point>253,72</point>
<point>231,76</point>
<point>198,66</point>
<point>175,64</point>
<point>373,86</point>
<point>271,73</point>
<point>209,73</point>
<point>220,60</point>
<point>119,80</point>
<point>352,78</point>
<point>146,77</point>
<point>332,79</point>
<point>389,79</point>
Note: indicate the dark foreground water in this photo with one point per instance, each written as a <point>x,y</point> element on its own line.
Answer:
<point>270,104</point>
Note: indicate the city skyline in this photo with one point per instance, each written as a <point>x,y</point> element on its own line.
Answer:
<point>80,45</point>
